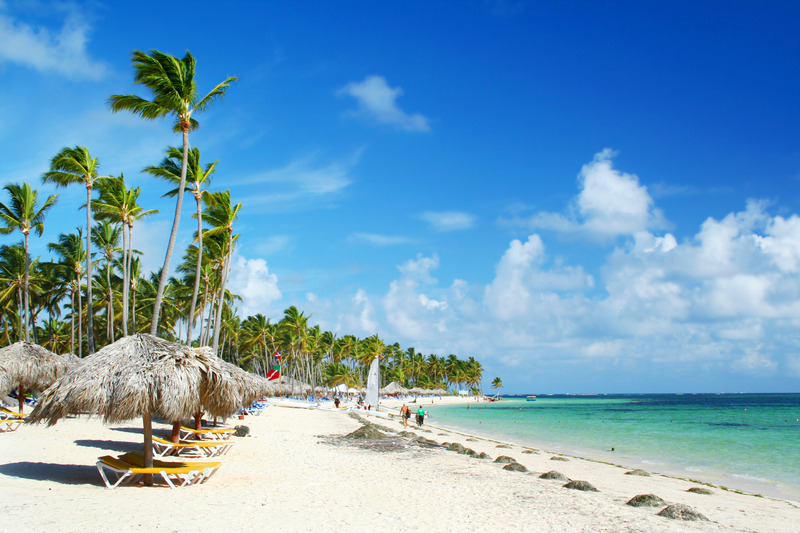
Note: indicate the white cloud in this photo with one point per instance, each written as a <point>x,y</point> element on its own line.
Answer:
<point>252,280</point>
<point>300,183</point>
<point>448,220</point>
<point>610,204</point>
<point>62,52</point>
<point>376,101</point>
<point>379,240</point>
<point>724,302</point>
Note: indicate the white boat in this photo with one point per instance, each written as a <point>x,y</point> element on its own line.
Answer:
<point>531,398</point>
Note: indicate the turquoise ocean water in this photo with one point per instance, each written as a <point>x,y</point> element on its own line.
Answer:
<point>745,441</point>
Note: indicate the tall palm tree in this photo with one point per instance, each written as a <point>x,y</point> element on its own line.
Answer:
<point>119,204</point>
<point>106,236</point>
<point>13,264</point>
<point>76,165</point>
<point>171,80</point>
<point>497,383</point>
<point>71,254</point>
<point>24,215</point>
<point>221,215</point>
<point>198,176</point>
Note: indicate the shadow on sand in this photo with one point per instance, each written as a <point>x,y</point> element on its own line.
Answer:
<point>111,445</point>
<point>66,474</point>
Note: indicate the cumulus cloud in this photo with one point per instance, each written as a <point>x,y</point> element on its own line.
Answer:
<point>61,52</point>
<point>610,204</point>
<point>448,220</point>
<point>377,102</point>
<point>252,280</point>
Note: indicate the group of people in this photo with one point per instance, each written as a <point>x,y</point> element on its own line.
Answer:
<point>405,414</point>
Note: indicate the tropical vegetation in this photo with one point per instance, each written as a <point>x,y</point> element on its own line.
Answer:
<point>92,290</point>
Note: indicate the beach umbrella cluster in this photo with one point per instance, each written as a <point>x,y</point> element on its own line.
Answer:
<point>142,376</point>
<point>27,366</point>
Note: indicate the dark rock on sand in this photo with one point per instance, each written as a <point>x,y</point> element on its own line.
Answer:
<point>472,440</point>
<point>470,452</point>
<point>515,467</point>
<point>701,490</point>
<point>637,472</point>
<point>581,485</point>
<point>558,458</point>
<point>558,476</point>
<point>440,434</point>
<point>646,500</point>
<point>503,446</point>
<point>423,440</point>
<point>407,434</point>
<point>456,447</point>
<point>482,455</point>
<point>679,511</point>
<point>367,431</point>
<point>529,451</point>
<point>505,459</point>
<point>242,431</point>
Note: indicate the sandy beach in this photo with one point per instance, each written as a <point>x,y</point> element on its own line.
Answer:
<point>296,472</point>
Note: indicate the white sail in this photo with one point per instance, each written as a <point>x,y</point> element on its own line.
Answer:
<point>374,383</point>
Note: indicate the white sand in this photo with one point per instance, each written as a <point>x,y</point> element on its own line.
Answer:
<point>291,475</point>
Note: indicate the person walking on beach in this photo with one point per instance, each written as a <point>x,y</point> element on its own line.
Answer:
<point>405,414</point>
<point>420,416</point>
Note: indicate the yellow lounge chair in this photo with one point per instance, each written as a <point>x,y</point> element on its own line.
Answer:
<point>10,420</point>
<point>208,468</point>
<point>196,448</point>
<point>184,475</point>
<point>206,433</point>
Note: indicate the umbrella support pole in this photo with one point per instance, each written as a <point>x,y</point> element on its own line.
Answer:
<point>148,447</point>
<point>176,431</point>
<point>21,397</point>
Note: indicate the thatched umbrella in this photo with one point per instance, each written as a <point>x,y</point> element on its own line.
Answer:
<point>141,376</point>
<point>28,366</point>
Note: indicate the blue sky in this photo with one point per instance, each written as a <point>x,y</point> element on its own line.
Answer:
<point>587,197</point>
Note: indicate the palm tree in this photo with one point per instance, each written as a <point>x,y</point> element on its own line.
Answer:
<point>169,171</point>
<point>76,165</point>
<point>171,80</point>
<point>24,215</point>
<point>13,264</point>
<point>118,204</point>
<point>106,237</point>
<point>72,255</point>
<point>221,216</point>
<point>497,383</point>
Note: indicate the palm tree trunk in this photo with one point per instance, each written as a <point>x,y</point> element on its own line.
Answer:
<point>218,322</point>
<point>128,285</point>
<point>89,310</point>
<point>27,275</point>
<point>124,282</point>
<point>80,317</point>
<point>162,283</point>
<point>110,312</point>
<point>197,269</point>
<point>72,325</point>
<point>20,310</point>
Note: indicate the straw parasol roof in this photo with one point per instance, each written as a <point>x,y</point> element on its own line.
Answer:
<point>28,366</point>
<point>393,388</point>
<point>249,387</point>
<point>141,375</point>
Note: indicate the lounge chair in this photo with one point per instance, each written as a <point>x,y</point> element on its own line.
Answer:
<point>206,433</point>
<point>206,469</point>
<point>10,420</point>
<point>183,473</point>
<point>195,448</point>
